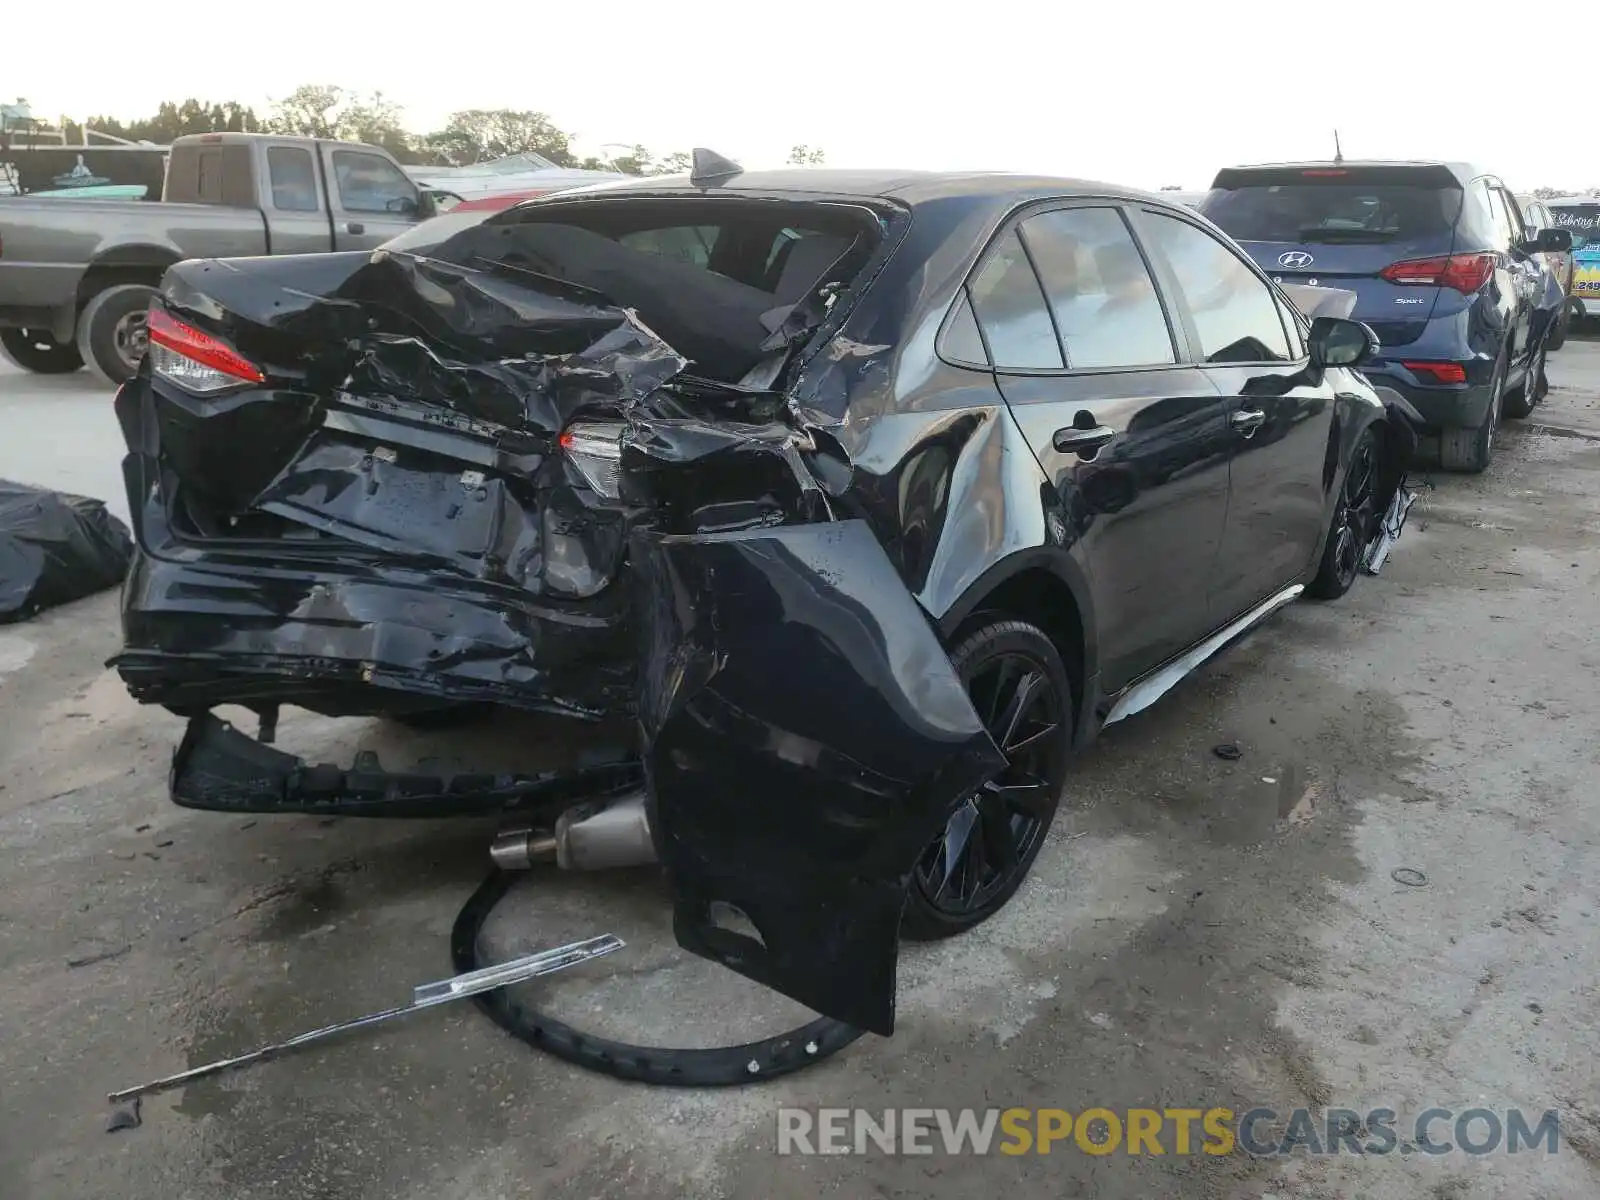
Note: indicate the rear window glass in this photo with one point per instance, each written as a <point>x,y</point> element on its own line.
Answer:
<point>686,243</point>
<point>1011,309</point>
<point>1329,211</point>
<point>1580,220</point>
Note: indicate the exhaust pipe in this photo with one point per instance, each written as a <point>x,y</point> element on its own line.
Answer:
<point>588,837</point>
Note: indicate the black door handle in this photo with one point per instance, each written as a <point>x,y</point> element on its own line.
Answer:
<point>1081,440</point>
<point>355,227</point>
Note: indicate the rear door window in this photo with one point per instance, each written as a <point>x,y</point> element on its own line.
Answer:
<point>1234,311</point>
<point>1011,310</point>
<point>293,179</point>
<point>1105,303</point>
<point>1499,216</point>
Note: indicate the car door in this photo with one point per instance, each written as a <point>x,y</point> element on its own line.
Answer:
<point>372,199</point>
<point>1280,412</point>
<point>297,214</point>
<point>1131,435</point>
<point>1524,272</point>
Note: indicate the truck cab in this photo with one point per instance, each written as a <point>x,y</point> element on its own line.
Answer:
<point>314,195</point>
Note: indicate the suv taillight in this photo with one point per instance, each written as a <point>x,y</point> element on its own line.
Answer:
<point>195,361</point>
<point>1465,273</point>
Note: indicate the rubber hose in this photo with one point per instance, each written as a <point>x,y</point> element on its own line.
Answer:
<point>721,1066</point>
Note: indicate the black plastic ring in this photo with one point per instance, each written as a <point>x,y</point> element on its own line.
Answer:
<point>720,1066</point>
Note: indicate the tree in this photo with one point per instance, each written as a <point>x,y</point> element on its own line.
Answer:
<point>1172,187</point>
<point>640,160</point>
<point>1547,193</point>
<point>806,156</point>
<point>172,120</point>
<point>483,134</point>
<point>324,110</point>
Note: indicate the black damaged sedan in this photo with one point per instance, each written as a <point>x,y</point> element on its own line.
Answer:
<point>871,495</point>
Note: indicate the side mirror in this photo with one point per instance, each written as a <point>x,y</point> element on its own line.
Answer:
<point>1550,241</point>
<point>1336,342</point>
<point>440,201</point>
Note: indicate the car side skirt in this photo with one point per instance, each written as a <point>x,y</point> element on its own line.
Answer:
<point>1144,692</point>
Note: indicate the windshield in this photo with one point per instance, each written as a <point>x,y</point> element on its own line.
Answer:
<point>1345,211</point>
<point>1581,220</point>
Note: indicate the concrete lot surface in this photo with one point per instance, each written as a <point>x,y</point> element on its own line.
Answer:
<point>1197,933</point>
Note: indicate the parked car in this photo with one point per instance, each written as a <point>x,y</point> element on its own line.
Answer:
<point>77,275</point>
<point>1444,269</point>
<point>1580,217</point>
<point>501,200</point>
<point>1559,266</point>
<point>974,464</point>
<point>515,172</point>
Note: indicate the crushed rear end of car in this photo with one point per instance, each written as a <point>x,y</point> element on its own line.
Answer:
<point>535,466</point>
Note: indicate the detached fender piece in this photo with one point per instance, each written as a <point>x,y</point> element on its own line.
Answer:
<point>1404,426</point>
<point>805,737</point>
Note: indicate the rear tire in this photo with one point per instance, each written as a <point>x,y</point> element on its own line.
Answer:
<point>1355,516</point>
<point>957,884</point>
<point>111,331</point>
<point>1470,450</point>
<point>35,350</point>
<point>1558,331</point>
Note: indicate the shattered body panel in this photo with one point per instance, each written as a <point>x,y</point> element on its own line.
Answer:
<point>797,497</point>
<point>861,752</point>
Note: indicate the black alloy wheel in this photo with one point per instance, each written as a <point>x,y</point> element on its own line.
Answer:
<point>1021,690</point>
<point>1355,522</point>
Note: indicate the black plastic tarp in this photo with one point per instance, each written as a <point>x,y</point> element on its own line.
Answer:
<point>55,548</point>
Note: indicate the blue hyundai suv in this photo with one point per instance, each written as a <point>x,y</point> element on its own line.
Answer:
<point>1442,265</point>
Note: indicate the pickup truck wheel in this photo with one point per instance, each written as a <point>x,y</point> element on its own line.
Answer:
<point>1018,684</point>
<point>35,350</point>
<point>111,330</point>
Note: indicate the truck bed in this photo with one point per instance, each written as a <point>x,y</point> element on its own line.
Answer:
<point>47,243</point>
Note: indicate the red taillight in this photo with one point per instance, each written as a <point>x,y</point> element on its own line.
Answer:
<point>1439,372</point>
<point>1465,273</point>
<point>211,358</point>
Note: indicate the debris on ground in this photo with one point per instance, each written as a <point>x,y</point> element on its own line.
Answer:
<point>55,548</point>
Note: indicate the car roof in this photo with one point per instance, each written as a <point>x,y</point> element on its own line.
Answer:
<point>1464,172</point>
<point>907,187</point>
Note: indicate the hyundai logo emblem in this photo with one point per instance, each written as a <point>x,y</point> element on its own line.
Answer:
<point>1295,258</point>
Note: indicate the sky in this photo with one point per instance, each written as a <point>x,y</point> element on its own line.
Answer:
<point>1140,94</point>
